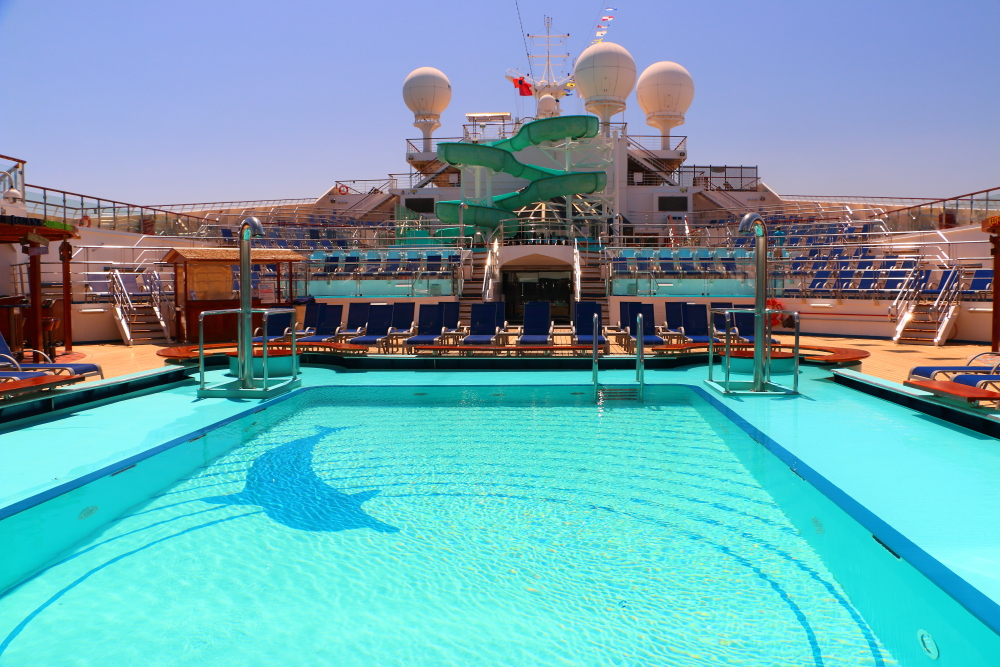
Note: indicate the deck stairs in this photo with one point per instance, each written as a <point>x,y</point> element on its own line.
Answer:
<point>726,201</point>
<point>472,289</point>
<point>141,317</point>
<point>930,321</point>
<point>592,284</point>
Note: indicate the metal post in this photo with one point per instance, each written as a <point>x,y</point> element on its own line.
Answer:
<point>66,254</point>
<point>795,351</point>
<point>753,223</point>
<point>995,333</point>
<point>249,228</point>
<point>640,360</point>
<point>728,357</point>
<point>35,296</point>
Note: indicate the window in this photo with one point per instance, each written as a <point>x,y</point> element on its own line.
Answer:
<point>673,204</point>
<point>423,204</point>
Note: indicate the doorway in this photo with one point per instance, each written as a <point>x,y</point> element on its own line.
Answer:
<point>519,287</point>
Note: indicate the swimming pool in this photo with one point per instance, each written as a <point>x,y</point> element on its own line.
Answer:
<point>452,525</point>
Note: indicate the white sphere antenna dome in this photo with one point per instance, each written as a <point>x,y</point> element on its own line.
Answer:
<point>665,87</point>
<point>548,107</point>
<point>427,92</point>
<point>605,76</point>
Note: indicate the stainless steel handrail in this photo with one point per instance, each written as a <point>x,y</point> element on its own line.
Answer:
<point>640,357</point>
<point>596,332</point>
<point>266,312</point>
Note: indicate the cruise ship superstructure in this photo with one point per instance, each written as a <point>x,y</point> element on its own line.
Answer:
<point>556,207</point>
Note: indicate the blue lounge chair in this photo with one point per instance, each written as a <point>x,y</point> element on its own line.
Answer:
<point>310,319</point>
<point>402,318</point>
<point>746,326</point>
<point>483,325</point>
<point>948,278</point>
<point>501,307</point>
<point>625,313</point>
<point>357,316</point>
<point>97,285</point>
<point>326,325</point>
<point>433,265</point>
<point>675,318</point>
<point>351,266</point>
<point>278,326</point>
<point>583,324</point>
<point>537,324</point>
<point>376,328</point>
<point>449,316</point>
<point>977,380</point>
<point>648,333</point>
<point>620,267</point>
<point>7,362</point>
<point>696,323</point>
<point>979,287</point>
<point>13,376</point>
<point>428,326</point>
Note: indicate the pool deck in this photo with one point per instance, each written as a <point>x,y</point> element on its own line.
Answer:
<point>888,360</point>
<point>932,482</point>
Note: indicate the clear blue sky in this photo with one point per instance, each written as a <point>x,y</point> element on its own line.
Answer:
<point>207,100</point>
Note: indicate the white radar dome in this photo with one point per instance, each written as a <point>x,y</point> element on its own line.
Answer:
<point>665,88</point>
<point>605,75</point>
<point>427,93</point>
<point>548,107</point>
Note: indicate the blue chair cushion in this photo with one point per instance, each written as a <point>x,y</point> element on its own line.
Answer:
<point>260,339</point>
<point>313,339</point>
<point>698,339</point>
<point>423,339</point>
<point>17,375</point>
<point>533,339</point>
<point>589,340</point>
<point>928,371</point>
<point>76,369</point>
<point>975,379</point>
<point>480,339</point>
<point>365,340</point>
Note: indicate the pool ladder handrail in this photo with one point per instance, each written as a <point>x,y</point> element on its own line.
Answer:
<point>766,339</point>
<point>265,312</point>
<point>640,355</point>
<point>596,331</point>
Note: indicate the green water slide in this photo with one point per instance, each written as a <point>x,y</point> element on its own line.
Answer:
<point>498,156</point>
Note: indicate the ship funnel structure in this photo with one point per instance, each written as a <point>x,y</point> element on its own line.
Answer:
<point>427,92</point>
<point>665,91</point>
<point>548,107</point>
<point>605,76</point>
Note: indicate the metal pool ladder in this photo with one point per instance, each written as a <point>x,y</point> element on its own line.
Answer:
<point>634,392</point>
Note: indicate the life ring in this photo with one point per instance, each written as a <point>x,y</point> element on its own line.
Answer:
<point>85,221</point>
<point>343,189</point>
<point>774,304</point>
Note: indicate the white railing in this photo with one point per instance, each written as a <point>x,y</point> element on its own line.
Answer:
<point>124,308</point>
<point>577,270</point>
<point>160,300</point>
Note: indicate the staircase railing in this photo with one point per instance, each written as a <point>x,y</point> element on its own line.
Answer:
<point>160,300</point>
<point>908,294</point>
<point>124,309</point>
<point>491,272</point>
<point>945,304</point>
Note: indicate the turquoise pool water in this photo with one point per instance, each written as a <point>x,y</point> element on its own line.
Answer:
<point>452,526</point>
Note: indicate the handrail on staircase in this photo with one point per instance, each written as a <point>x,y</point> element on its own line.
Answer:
<point>907,294</point>
<point>123,306</point>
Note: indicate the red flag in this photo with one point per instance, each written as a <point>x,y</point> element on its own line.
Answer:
<point>523,87</point>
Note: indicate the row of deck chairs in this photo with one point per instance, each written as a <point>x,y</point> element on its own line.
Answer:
<point>883,284</point>
<point>18,378</point>
<point>679,263</point>
<point>688,321</point>
<point>350,266</point>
